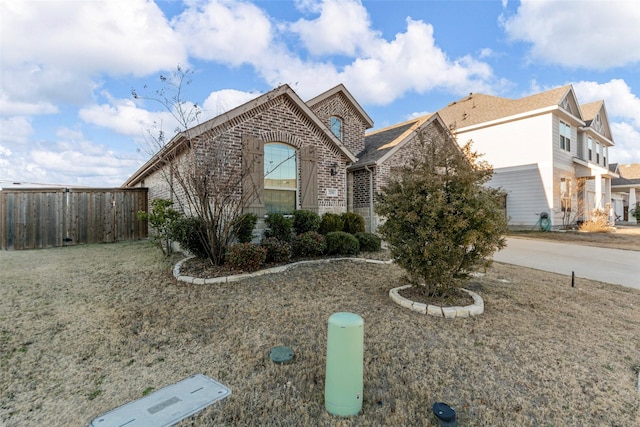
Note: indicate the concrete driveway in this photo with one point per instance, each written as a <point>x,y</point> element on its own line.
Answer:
<point>615,266</point>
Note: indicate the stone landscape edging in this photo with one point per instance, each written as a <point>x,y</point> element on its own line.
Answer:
<point>474,309</point>
<point>272,270</point>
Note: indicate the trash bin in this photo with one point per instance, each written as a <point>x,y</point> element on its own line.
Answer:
<point>345,351</point>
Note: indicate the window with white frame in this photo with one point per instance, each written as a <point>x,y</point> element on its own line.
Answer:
<point>589,148</point>
<point>565,136</point>
<point>605,152</point>
<point>336,127</point>
<point>280,178</point>
<point>597,152</point>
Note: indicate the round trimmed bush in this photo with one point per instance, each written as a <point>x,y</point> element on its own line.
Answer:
<point>369,242</point>
<point>305,221</point>
<point>330,222</point>
<point>341,243</point>
<point>309,244</point>
<point>277,250</point>
<point>246,256</point>
<point>352,223</point>
<point>278,226</point>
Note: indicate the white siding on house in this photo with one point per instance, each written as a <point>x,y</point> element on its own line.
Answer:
<point>521,142</point>
<point>526,197</point>
<point>522,157</point>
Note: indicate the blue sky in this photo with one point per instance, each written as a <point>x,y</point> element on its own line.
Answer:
<point>67,67</point>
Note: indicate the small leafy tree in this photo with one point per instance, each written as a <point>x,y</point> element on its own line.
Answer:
<point>161,218</point>
<point>441,221</point>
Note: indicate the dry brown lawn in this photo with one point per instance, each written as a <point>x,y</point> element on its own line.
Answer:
<point>86,329</point>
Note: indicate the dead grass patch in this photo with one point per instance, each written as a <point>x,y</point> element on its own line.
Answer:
<point>86,329</point>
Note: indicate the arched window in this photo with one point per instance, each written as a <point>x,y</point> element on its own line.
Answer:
<point>336,127</point>
<point>280,178</point>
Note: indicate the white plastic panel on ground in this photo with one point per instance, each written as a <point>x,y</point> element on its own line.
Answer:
<point>166,406</point>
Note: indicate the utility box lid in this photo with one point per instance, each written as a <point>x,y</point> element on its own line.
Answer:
<point>345,320</point>
<point>166,406</point>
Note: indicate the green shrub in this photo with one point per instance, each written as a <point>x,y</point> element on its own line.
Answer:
<point>244,227</point>
<point>369,242</point>
<point>279,227</point>
<point>309,244</point>
<point>330,222</point>
<point>352,223</point>
<point>246,256</point>
<point>305,221</point>
<point>161,219</point>
<point>342,243</point>
<point>277,250</point>
<point>190,233</point>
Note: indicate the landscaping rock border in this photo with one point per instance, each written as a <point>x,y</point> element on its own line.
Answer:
<point>272,270</point>
<point>474,309</point>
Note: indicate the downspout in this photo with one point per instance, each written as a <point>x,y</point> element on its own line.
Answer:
<point>366,167</point>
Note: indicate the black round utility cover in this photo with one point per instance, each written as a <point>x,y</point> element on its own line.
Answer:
<point>281,354</point>
<point>443,411</point>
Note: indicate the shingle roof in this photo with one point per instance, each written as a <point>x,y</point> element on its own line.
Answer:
<point>478,108</point>
<point>630,171</point>
<point>380,142</point>
<point>590,110</point>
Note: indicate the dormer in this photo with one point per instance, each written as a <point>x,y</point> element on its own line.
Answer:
<point>343,116</point>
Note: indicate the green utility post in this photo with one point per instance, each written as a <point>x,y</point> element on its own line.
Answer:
<point>345,352</point>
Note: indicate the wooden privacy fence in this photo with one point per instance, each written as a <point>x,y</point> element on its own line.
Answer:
<point>45,218</point>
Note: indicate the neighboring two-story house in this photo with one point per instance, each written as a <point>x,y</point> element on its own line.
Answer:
<point>549,153</point>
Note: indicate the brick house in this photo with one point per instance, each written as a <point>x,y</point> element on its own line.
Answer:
<point>290,154</point>
<point>386,149</point>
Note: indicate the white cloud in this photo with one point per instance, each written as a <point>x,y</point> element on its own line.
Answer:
<point>15,131</point>
<point>589,34</point>
<point>343,27</point>
<point>384,70</point>
<point>627,148</point>
<point>232,33</point>
<point>53,51</point>
<point>224,100</point>
<point>126,118</point>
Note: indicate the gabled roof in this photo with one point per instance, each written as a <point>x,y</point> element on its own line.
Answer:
<point>629,176</point>
<point>382,143</point>
<point>478,108</point>
<point>236,114</point>
<point>595,117</point>
<point>342,89</point>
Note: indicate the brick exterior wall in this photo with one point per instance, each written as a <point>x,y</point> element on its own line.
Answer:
<point>277,120</point>
<point>353,126</point>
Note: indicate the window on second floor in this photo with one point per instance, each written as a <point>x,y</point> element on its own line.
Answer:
<point>604,156</point>
<point>589,148</point>
<point>336,127</point>
<point>565,136</point>
<point>597,152</point>
<point>280,178</point>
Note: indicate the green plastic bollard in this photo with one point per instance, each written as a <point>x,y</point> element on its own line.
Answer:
<point>345,352</point>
